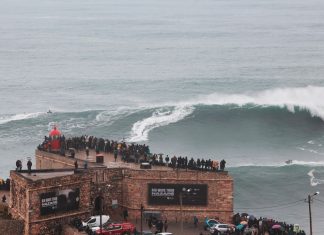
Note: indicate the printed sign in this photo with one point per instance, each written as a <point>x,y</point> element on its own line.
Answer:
<point>58,201</point>
<point>173,194</point>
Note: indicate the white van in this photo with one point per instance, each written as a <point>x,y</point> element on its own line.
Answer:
<point>95,221</point>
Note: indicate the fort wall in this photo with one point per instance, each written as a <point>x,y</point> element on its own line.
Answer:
<point>123,186</point>
<point>129,188</point>
<point>27,191</point>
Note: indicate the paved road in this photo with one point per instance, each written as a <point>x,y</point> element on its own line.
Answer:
<point>175,228</point>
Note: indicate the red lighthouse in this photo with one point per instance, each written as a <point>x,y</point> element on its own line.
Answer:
<point>55,143</point>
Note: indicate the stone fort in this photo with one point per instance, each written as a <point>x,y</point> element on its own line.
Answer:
<point>56,192</point>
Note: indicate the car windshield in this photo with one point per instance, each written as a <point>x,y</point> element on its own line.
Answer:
<point>212,222</point>
<point>87,220</point>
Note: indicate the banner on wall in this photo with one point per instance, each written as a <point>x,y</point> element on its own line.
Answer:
<point>59,201</point>
<point>172,194</point>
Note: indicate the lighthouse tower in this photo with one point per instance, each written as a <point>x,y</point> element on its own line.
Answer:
<point>55,141</point>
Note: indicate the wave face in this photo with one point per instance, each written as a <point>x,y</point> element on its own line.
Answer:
<point>248,134</point>
<point>260,128</point>
<point>307,98</point>
<point>292,99</point>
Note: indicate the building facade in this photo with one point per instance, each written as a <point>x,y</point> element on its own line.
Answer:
<point>174,194</point>
<point>47,199</point>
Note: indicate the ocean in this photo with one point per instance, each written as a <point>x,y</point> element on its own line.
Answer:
<point>220,79</point>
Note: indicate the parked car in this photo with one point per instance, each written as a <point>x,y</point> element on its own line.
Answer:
<point>125,228</point>
<point>92,230</point>
<point>94,221</point>
<point>209,223</point>
<point>221,228</point>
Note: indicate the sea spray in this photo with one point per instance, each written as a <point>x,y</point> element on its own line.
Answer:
<point>314,181</point>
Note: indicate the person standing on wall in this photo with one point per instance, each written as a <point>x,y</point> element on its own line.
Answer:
<point>195,219</point>
<point>115,154</point>
<point>222,165</point>
<point>165,225</point>
<point>125,214</point>
<point>29,165</point>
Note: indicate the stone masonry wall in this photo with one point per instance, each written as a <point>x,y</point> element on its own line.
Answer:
<point>108,184</point>
<point>220,193</point>
<point>27,193</point>
<point>130,188</point>
<point>11,226</point>
<point>46,224</point>
<point>18,197</point>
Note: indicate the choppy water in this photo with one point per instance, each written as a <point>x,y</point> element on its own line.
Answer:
<point>240,80</point>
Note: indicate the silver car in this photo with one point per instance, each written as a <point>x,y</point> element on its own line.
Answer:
<point>221,228</point>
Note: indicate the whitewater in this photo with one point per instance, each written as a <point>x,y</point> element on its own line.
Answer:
<point>239,80</point>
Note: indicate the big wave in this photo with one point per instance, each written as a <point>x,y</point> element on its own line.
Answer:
<point>308,98</point>
<point>17,117</point>
<point>293,99</point>
<point>160,117</point>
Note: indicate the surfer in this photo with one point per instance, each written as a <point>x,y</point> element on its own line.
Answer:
<point>288,161</point>
<point>49,111</point>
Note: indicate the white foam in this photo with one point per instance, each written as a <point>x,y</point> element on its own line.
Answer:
<point>310,150</point>
<point>306,98</point>
<point>313,180</point>
<point>279,164</point>
<point>251,164</point>
<point>160,117</point>
<point>307,163</point>
<point>109,116</point>
<point>17,117</point>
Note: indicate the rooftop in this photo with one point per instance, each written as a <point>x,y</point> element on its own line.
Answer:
<point>39,175</point>
<point>109,161</point>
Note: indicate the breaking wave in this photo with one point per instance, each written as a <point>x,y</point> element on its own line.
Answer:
<point>160,117</point>
<point>17,117</point>
<point>293,99</point>
<point>306,99</point>
<point>143,119</point>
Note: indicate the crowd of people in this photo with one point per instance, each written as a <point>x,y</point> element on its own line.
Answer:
<point>136,153</point>
<point>157,225</point>
<point>185,163</point>
<point>249,225</point>
<point>86,142</point>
